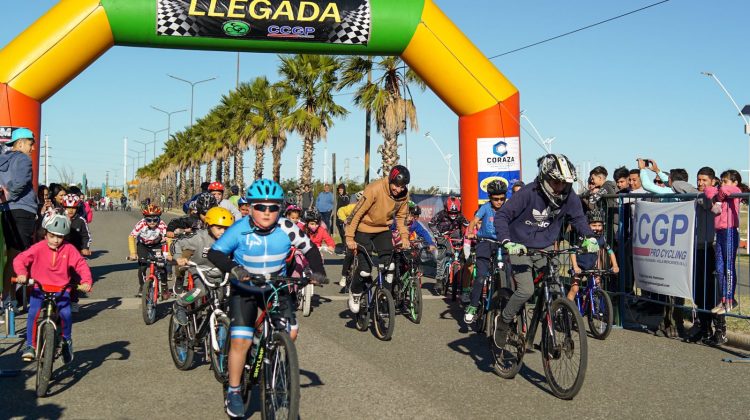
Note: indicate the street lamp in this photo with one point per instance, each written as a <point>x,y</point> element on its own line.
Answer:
<point>169,118</point>
<point>543,142</point>
<point>447,158</point>
<point>192,91</point>
<point>138,156</point>
<point>154,132</point>
<point>144,149</point>
<point>742,113</point>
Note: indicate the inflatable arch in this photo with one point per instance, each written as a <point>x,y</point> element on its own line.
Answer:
<point>74,33</point>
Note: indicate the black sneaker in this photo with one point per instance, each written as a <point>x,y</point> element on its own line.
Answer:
<point>67,351</point>
<point>717,339</point>
<point>501,332</point>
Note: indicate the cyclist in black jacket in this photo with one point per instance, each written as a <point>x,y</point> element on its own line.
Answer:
<point>448,221</point>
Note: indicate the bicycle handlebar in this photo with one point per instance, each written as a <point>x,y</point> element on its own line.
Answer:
<point>595,272</point>
<point>552,253</point>
<point>31,282</point>
<point>203,276</point>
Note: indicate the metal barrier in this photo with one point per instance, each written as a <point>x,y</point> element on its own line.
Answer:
<point>618,230</point>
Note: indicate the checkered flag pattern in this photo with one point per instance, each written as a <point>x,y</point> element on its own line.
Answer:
<point>354,27</point>
<point>172,19</point>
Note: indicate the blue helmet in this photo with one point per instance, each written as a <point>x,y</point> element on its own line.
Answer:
<point>242,200</point>
<point>265,190</point>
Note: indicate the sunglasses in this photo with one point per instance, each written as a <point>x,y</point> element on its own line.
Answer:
<point>272,208</point>
<point>500,199</point>
<point>152,219</point>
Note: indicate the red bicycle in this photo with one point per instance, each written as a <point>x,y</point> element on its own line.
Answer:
<point>452,268</point>
<point>154,284</point>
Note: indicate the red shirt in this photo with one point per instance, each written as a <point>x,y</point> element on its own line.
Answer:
<point>52,267</point>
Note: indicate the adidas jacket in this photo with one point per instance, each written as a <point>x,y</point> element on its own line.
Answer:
<point>528,219</point>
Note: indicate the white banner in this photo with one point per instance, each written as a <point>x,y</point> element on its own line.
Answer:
<point>663,244</point>
<point>500,154</point>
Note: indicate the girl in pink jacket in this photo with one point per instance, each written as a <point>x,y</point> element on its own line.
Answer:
<point>727,222</point>
<point>50,263</point>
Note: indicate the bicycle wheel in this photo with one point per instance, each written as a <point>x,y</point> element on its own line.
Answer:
<point>599,315</point>
<point>307,300</point>
<point>179,344</point>
<point>279,383</point>
<point>384,314</point>
<point>45,358</point>
<point>508,358</point>
<point>564,349</point>
<point>148,304</point>
<point>413,300</point>
<point>219,357</point>
<point>455,281</point>
<point>362,318</point>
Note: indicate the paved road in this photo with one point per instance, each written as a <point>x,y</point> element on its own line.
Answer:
<point>436,370</point>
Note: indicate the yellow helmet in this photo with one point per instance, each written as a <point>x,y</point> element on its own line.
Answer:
<point>219,216</point>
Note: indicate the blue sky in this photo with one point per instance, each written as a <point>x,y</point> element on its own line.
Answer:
<point>626,89</point>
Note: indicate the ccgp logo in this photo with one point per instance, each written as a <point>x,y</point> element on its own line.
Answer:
<point>486,181</point>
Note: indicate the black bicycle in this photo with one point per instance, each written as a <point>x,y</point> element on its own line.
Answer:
<point>407,284</point>
<point>563,337</point>
<point>49,341</point>
<point>376,301</point>
<point>489,288</point>
<point>273,363</point>
<point>207,327</point>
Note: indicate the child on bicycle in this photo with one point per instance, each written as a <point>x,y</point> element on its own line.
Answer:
<point>497,191</point>
<point>244,206</point>
<point>79,235</point>
<point>148,235</point>
<point>51,263</point>
<point>195,248</point>
<point>447,223</point>
<point>588,261</point>
<point>318,234</point>
<point>257,246</point>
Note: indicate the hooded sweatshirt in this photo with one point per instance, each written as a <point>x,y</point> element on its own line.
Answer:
<point>52,267</point>
<point>528,219</point>
<point>377,210</point>
<point>16,177</point>
<point>730,207</point>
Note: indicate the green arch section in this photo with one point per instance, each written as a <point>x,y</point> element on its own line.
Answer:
<point>394,22</point>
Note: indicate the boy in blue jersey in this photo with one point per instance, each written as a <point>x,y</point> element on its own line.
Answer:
<point>485,216</point>
<point>257,245</point>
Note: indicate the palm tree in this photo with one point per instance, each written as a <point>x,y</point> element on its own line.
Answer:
<point>269,104</point>
<point>310,81</point>
<point>384,97</point>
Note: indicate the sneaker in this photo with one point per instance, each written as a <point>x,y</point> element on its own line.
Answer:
<point>466,296</point>
<point>471,313</point>
<point>28,355</point>
<point>234,405</point>
<point>75,307</point>
<point>342,282</point>
<point>180,314</point>
<point>438,287</point>
<point>354,299</point>
<point>67,350</point>
<point>717,308</point>
<point>717,339</point>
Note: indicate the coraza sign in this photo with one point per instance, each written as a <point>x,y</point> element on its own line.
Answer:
<point>337,21</point>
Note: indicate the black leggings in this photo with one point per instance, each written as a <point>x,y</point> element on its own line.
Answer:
<point>18,227</point>
<point>382,243</point>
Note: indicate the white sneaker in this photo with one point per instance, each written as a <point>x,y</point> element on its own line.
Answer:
<point>342,282</point>
<point>354,299</point>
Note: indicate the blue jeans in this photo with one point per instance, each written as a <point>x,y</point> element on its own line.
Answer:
<point>63,310</point>
<point>727,241</point>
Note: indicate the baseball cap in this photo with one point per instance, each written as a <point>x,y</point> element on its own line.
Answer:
<point>21,133</point>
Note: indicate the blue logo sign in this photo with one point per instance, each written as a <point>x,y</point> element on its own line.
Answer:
<point>500,148</point>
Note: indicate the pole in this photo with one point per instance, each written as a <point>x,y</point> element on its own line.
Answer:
<point>237,84</point>
<point>125,169</point>
<point>368,118</point>
<point>448,188</point>
<point>46,159</point>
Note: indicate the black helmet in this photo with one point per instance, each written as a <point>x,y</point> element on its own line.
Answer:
<point>414,209</point>
<point>497,187</point>
<point>399,175</point>
<point>204,202</point>
<point>234,189</point>
<point>595,216</point>
<point>311,215</point>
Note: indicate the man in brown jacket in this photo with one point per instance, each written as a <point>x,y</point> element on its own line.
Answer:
<point>383,201</point>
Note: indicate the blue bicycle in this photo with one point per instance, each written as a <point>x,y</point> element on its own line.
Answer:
<point>594,303</point>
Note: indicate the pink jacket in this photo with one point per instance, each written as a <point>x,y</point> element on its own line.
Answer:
<point>319,236</point>
<point>52,267</point>
<point>730,207</point>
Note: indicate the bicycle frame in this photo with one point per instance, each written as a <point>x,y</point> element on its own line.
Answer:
<point>214,299</point>
<point>370,285</point>
<point>585,301</point>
